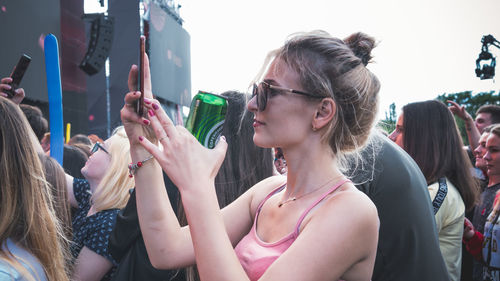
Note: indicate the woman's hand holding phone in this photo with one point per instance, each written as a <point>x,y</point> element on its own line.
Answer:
<point>5,91</point>
<point>135,124</point>
<point>140,102</point>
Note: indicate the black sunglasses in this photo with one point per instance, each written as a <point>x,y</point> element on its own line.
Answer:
<point>263,90</point>
<point>98,146</point>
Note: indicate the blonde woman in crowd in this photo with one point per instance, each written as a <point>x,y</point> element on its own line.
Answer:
<point>98,199</point>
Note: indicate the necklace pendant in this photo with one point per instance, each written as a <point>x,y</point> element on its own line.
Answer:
<point>287,201</point>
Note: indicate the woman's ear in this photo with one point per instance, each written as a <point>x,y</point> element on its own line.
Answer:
<point>325,112</point>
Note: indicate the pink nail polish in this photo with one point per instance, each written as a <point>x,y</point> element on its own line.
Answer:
<point>141,138</point>
<point>155,106</point>
<point>151,113</point>
<point>145,121</point>
<point>147,101</point>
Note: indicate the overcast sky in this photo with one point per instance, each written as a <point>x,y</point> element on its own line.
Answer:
<point>426,47</point>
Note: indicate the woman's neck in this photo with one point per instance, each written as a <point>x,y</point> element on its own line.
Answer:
<point>93,183</point>
<point>493,179</point>
<point>309,169</point>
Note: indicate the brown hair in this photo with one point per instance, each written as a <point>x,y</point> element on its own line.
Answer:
<point>493,110</point>
<point>330,67</point>
<point>495,129</point>
<point>56,177</point>
<point>245,164</point>
<point>487,129</point>
<point>26,213</point>
<point>36,120</point>
<point>432,139</point>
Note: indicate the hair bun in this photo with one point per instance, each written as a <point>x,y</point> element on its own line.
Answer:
<point>361,44</point>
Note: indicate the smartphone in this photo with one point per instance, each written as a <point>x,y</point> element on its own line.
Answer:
<point>18,73</point>
<point>139,108</point>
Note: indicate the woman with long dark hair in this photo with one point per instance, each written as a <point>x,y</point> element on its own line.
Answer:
<point>428,132</point>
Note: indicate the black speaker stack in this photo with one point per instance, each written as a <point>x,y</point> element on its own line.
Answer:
<point>101,38</point>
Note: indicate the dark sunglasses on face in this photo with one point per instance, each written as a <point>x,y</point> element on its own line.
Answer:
<point>98,146</point>
<point>263,91</point>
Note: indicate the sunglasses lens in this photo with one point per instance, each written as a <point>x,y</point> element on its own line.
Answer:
<point>255,92</point>
<point>262,97</point>
<point>94,148</point>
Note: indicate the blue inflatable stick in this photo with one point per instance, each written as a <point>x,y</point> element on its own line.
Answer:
<point>55,97</point>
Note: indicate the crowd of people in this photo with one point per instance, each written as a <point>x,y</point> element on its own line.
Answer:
<point>301,185</point>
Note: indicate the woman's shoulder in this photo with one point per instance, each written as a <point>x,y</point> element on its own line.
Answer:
<point>452,198</point>
<point>264,188</point>
<point>28,260</point>
<point>453,201</point>
<point>268,185</point>
<point>351,215</point>
<point>353,204</point>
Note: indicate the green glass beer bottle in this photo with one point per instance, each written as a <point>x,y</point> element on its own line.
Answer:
<point>206,117</point>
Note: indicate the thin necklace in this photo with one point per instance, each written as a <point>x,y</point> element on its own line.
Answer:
<point>295,198</point>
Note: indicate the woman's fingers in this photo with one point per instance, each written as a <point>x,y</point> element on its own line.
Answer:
<point>6,80</point>
<point>131,97</point>
<point>18,95</point>
<point>453,103</point>
<point>128,111</point>
<point>5,87</point>
<point>161,119</point>
<point>151,148</point>
<point>132,78</point>
<point>220,152</point>
<point>148,90</point>
<point>160,132</point>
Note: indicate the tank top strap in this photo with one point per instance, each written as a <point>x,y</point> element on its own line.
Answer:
<point>332,189</point>
<point>276,190</point>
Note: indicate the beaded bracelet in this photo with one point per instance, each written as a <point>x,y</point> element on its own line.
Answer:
<point>133,167</point>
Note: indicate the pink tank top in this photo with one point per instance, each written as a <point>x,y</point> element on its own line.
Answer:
<point>256,255</point>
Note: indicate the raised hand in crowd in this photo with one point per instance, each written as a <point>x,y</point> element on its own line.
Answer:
<point>131,121</point>
<point>4,87</point>
<point>473,132</point>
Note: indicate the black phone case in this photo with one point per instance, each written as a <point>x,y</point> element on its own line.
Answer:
<point>18,73</point>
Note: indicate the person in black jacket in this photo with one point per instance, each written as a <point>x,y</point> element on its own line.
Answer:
<point>408,247</point>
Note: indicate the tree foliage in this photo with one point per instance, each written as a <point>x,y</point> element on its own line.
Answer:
<point>467,99</point>
<point>389,123</point>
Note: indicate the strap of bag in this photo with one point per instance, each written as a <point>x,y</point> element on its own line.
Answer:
<point>441,194</point>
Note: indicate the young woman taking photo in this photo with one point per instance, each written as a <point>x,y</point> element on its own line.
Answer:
<point>316,100</point>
